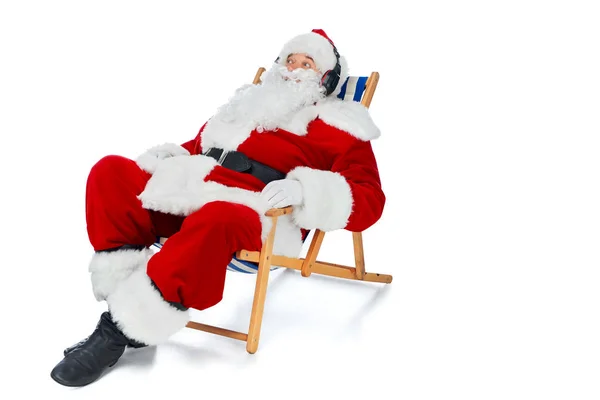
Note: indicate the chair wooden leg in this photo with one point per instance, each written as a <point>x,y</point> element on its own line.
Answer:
<point>359,255</point>
<point>313,251</point>
<point>260,292</point>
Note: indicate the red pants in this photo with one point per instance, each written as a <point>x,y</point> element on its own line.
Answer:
<point>191,266</point>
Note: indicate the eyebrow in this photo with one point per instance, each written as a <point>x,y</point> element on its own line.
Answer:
<point>307,56</point>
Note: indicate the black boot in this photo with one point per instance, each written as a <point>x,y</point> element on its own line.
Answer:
<point>87,360</point>
<point>132,343</point>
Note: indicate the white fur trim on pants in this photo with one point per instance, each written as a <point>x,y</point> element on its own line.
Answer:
<point>327,202</point>
<point>108,269</point>
<point>141,313</point>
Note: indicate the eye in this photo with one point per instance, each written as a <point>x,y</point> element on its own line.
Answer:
<point>307,65</point>
<point>289,61</point>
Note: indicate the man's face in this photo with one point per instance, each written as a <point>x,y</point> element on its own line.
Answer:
<point>300,60</point>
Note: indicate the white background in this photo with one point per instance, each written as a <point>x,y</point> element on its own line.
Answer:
<point>489,157</point>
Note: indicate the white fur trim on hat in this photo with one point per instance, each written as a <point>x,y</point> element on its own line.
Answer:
<point>313,44</point>
<point>321,51</point>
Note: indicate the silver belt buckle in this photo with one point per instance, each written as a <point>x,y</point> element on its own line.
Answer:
<point>223,157</point>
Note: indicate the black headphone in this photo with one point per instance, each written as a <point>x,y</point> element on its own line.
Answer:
<point>331,77</point>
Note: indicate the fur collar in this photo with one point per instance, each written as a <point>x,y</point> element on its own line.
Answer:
<point>348,116</point>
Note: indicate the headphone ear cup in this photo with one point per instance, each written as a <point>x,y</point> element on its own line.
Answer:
<point>325,82</point>
<point>334,80</point>
<point>329,81</point>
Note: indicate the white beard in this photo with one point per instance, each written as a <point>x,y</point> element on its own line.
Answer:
<point>266,106</point>
<point>263,107</point>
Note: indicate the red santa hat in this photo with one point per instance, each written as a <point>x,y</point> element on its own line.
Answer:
<point>320,48</point>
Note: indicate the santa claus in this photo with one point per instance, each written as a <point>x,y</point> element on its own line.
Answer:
<point>287,141</point>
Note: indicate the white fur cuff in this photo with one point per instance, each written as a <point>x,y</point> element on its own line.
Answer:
<point>177,186</point>
<point>141,313</point>
<point>149,160</point>
<point>327,202</point>
<point>108,269</point>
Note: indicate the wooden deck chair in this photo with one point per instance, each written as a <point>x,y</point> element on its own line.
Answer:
<point>261,263</point>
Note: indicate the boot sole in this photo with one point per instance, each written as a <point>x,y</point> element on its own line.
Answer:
<point>61,382</point>
<point>68,384</point>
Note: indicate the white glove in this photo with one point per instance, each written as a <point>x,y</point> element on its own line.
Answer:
<point>168,150</point>
<point>283,193</point>
<point>150,159</point>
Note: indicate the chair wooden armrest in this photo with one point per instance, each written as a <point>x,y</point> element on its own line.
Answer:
<point>278,212</point>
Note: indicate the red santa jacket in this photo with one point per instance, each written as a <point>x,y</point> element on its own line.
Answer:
<point>326,147</point>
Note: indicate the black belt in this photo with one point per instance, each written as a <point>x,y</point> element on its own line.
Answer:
<point>238,161</point>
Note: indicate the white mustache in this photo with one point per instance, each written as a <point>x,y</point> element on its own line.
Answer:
<point>299,74</point>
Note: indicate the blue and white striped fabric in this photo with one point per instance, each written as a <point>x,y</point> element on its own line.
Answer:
<point>352,90</point>
<point>246,267</point>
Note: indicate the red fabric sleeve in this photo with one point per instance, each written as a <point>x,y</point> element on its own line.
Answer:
<point>359,167</point>
<point>349,196</point>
